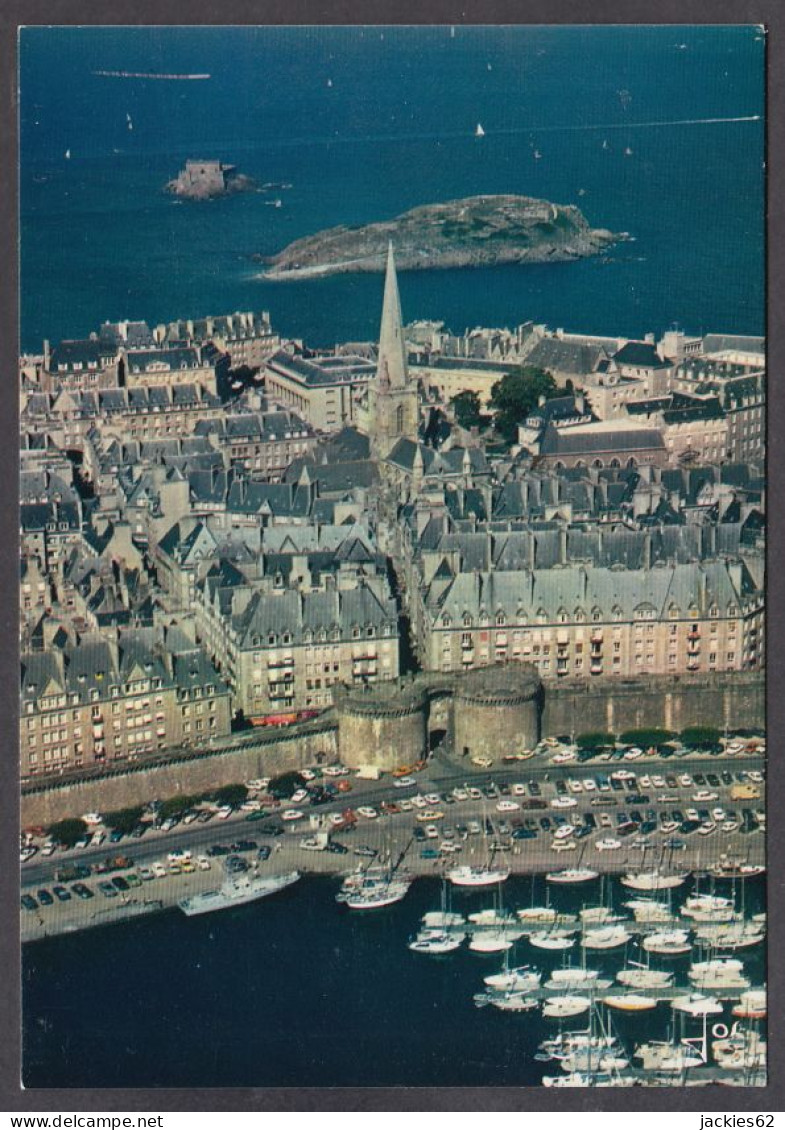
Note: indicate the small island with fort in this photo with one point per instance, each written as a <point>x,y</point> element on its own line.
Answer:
<point>206,180</point>
<point>477,231</point>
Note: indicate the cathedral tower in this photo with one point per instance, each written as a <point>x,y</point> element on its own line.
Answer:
<point>393,402</point>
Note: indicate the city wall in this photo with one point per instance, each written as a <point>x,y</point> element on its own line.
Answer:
<point>734,701</point>
<point>397,733</point>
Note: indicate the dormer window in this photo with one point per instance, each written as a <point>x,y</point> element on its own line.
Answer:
<point>501,620</point>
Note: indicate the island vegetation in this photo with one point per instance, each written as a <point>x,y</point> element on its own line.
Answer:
<point>477,231</point>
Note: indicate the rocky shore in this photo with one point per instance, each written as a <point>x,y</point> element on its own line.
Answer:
<point>477,231</point>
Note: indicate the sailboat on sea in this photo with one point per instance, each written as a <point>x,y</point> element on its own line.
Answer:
<point>479,132</point>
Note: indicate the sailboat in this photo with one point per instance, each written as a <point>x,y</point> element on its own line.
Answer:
<point>68,154</point>
<point>537,155</point>
<point>128,121</point>
<point>485,875</point>
<point>479,132</point>
<point>628,152</point>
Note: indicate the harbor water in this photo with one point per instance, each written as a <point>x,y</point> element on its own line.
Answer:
<point>296,990</point>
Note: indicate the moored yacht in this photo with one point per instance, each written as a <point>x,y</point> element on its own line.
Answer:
<point>436,942</point>
<point>752,1005</point>
<point>644,978</point>
<point>653,880</point>
<point>670,943</point>
<point>521,979</point>
<point>467,876</point>
<point>552,939</point>
<point>658,1055</point>
<point>575,977</point>
<point>630,1002</point>
<point>378,896</point>
<point>695,1005</point>
<point>491,941</point>
<point>731,869</point>
<point>572,875</point>
<point>561,1008</point>
<point>744,1050</point>
<point>719,973</point>
<point>439,919</point>
<point>605,938</point>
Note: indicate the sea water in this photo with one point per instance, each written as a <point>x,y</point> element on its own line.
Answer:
<point>366,123</point>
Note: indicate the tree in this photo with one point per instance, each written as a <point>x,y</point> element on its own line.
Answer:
<point>651,736</point>
<point>231,794</point>
<point>467,409</point>
<point>175,806</point>
<point>285,785</point>
<point>595,741</point>
<point>700,737</point>
<point>68,832</point>
<point>514,396</point>
<point>124,819</point>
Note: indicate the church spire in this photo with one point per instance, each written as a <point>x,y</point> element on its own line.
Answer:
<point>392,350</point>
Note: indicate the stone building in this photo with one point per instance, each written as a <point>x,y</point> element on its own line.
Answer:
<point>325,389</point>
<point>585,621</point>
<point>102,700</point>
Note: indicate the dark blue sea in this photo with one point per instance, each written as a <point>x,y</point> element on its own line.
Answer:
<point>365,123</point>
<point>296,990</point>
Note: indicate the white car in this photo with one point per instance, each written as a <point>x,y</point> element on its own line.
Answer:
<point>518,789</point>
<point>307,774</point>
<point>646,781</point>
<point>590,785</point>
<point>718,814</point>
<point>178,855</point>
<point>692,814</point>
<point>606,820</point>
<point>447,847</point>
<point>419,801</point>
<point>564,802</point>
<point>622,775</point>
<point>685,780</point>
<point>404,782</point>
<point>203,863</point>
<point>333,770</point>
<point>433,798</point>
<point>367,811</point>
<point>483,762</point>
<point>405,805</point>
<point>246,806</point>
<point>633,754</point>
<point>563,756</point>
<point>158,870</point>
<point>299,796</point>
<point>729,826</point>
<point>224,812</point>
<point>563,832</point>
<point>657,781</point>
<point>258,784</point>
<point>431,832</point>
<point>291,814</point>
<point>755,775</point>
<point>92,818</point>
<point>707,828</point>
<point>608,845</point>
<point>575,786</point>
<point>460,794</point>
<point>669,826</point>
<point>507,806</point>
<point>475,793</point>
<point>563,845</point>
<point>335,818</point>
<point>703,795</point>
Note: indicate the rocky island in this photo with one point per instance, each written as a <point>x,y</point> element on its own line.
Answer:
<point>478,231</point>
<point>204,180</point>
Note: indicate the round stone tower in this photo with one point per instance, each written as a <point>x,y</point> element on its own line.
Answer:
<point>497,711</point>
<point>384,724</point>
